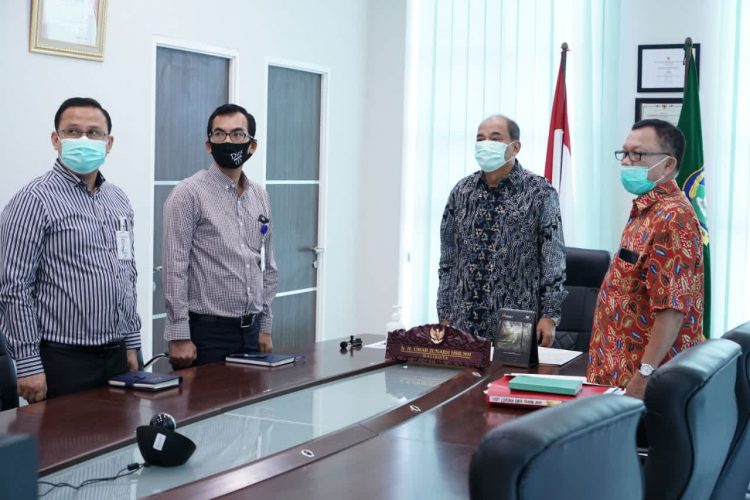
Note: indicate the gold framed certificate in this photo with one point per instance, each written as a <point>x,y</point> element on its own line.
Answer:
<point>73,28</point>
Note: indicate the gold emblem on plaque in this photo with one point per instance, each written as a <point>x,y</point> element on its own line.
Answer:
<point>436,335</point>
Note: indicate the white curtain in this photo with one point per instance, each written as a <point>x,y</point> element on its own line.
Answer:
<point>471,58</point>
<point>727,188</point>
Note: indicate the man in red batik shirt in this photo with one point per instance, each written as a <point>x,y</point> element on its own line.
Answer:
<point>650,305</point>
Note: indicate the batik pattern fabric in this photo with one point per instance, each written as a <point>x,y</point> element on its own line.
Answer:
<point>501,247</point>
<point>659,266</point>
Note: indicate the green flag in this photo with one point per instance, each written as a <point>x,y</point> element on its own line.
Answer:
<point>691,176</point>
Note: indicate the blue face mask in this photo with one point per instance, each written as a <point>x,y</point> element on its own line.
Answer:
<point>491,155</point>
<point>635,178</point>
<point>83,155</point>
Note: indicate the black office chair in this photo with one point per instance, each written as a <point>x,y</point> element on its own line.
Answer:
<point>735,475</point>
<point>691,415</point>
<point>585,270</point>
<point>582,449</point>
<point>8,394</point>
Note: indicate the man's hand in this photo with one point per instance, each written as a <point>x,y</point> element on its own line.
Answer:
<point>636,388</point>
<point>132,360</point>
<point>182,353</point>
<point>545,332</point>
<point>33,388</point>
<point>264,342</point>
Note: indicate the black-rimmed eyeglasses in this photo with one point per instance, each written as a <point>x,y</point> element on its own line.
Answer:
<point>237,136</point>
<point>636,156</point>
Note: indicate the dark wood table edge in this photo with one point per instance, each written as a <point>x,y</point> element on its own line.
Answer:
<point>247,475</point>
<point>95,452</point>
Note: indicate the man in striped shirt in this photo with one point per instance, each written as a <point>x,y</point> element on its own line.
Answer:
<point>68,279</point>
<point>220,276</point>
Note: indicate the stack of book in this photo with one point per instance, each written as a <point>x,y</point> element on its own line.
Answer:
<point>538,391</point>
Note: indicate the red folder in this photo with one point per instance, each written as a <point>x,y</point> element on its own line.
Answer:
<point>498,393</point>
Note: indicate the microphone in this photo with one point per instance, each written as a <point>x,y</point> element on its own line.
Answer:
<point>352,341</point>
<point>160,445</point>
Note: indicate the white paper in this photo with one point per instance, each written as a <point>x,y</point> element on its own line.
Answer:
<point>70,21</point>
<point>377,345</point>
<point>556,357</point>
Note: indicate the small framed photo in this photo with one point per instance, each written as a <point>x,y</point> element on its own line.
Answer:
<point>663,108</point>
<point>661,68</point>
<point>73,28</point>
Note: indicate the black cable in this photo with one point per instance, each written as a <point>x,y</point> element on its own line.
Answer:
<point>125,471</point>
<point>160,355</point>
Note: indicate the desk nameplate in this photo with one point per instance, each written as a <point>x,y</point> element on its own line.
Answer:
<point>439,345</point>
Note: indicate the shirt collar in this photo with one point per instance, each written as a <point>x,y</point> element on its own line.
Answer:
<point>69,176</point>
<point>659,193</point>
<point>514,176</point>
<point>226,182</point>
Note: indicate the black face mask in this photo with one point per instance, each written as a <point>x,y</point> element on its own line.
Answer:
<point>230,154</point>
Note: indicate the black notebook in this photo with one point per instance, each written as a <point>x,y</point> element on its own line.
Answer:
<point>145,381</point>
<point>260,359</point>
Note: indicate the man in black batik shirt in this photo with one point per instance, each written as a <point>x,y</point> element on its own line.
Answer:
<point>501,241</point>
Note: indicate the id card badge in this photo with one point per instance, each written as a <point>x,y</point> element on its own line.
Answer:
<point>124,241</point>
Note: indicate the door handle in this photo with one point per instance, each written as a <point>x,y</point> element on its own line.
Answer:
<point>317,251</point>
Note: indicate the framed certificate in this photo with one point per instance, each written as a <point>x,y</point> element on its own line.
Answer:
<point>663,108</point>
<point>73,28</point>
<point>661,67</point>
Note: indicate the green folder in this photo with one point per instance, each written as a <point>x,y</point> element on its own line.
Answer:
<point>568,387</point>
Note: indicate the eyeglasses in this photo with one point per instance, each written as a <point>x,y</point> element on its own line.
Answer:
<point>635,156</point>
<point>236,136</point>
<point>75,133</point>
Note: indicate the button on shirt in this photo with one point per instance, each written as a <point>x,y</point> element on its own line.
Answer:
<point>212,252</point>
<point>61,279</point>
<point>500,248</point>
<point>664,233</point>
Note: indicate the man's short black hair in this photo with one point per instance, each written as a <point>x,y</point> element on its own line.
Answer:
<point>230,109</point>
<point>82,102</point>
<point>670,137</point>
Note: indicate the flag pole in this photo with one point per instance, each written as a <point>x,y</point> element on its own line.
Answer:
<point>686,60</point>
<point>563,60</point>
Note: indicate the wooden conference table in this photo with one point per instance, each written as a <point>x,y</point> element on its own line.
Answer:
<point>337,424</point>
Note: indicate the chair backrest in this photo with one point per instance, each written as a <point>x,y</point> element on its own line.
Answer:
<point>8,396</point>
<point>582,449</point>
<point>585,271</point>
<point>735,475</point>
<point>691,415</point>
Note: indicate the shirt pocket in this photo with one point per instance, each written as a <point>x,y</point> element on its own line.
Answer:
<point>625,278</point>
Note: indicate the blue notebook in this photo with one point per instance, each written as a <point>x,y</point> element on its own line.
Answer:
<point>145,381</point>
<point>260,359</point>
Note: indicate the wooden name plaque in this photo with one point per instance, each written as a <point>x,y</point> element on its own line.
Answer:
<point>438,345</point>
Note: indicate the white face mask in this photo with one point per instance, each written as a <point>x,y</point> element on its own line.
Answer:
<point>490,155</point>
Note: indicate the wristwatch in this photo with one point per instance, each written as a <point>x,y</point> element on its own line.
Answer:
<point>645,369</point>
<point>555,320</point>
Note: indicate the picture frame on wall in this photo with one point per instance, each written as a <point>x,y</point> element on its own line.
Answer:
<point>661,67</point>
<point>663,108</point>
<point>72,28</point>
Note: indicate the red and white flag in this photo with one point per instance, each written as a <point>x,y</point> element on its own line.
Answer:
<point>559,168</point>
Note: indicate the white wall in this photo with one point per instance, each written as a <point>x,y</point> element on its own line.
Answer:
<point>331,34</point>
<point>380,217</point>
<point>647,22</point>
